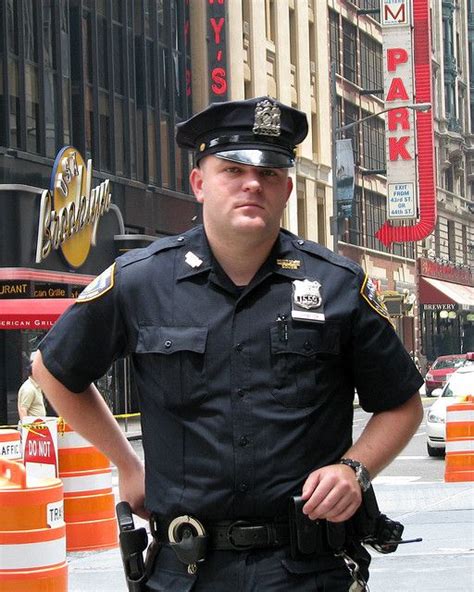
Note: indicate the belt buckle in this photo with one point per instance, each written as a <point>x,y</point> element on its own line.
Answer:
<point>236,546</point>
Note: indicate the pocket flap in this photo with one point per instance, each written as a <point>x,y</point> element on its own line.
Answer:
<point>168,340</point>
<point>321,338</point>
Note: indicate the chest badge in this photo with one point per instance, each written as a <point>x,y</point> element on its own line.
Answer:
<point>307,302</point>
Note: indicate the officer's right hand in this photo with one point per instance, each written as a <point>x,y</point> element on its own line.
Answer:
<point>132,487</point>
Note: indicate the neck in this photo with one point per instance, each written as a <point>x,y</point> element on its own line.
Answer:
<point>240,259</point>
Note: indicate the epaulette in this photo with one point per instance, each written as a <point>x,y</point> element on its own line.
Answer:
<point>324,253</point>
<point>161,244</point>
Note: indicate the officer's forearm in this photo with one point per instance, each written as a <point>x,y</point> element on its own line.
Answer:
<point>88,414</point>
<point>386,434</point>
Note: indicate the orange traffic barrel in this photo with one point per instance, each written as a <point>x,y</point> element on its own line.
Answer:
<point>460,441</point>
<point>10,444</point>
<point>32,532</point>
<point>89,502</point>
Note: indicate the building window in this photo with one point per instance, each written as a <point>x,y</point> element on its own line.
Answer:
<point>349,51</point>
<point>334,42</point>
<point>373,142</point>
<point>370,63</point>
<point>452,241</point>
<point>351,114</point>
<point>449,179</point>
<point>356,229</point>
<point>376,213</point>
<point>270,27</point>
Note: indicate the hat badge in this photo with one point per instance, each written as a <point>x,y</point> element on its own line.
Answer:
<point>267,120</point>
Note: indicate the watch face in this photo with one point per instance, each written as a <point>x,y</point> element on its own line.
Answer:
<point>363,477</point>
<point>362,474</point>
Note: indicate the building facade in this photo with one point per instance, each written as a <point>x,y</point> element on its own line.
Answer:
<point>248,48</point>
<point>355,38</point>
<point>110,79</point>
<point>446,258</point>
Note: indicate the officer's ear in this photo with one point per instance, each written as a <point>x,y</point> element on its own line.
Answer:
<point>289,187</point>
<point>196,180</point>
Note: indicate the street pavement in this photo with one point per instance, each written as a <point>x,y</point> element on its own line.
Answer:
<point>441,513</point>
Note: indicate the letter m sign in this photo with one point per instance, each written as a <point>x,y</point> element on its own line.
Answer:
<point>395,12</point>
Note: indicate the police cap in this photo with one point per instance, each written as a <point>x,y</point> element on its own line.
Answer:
<point>257,132</point>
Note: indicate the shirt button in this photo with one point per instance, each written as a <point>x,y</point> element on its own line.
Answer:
<point>243,487</point>
<point>180,239</point>
<point>240,392</point>
<point>308,345</point>
<point>243,441</point>
<point>168,343</point>
<point>239,347</point>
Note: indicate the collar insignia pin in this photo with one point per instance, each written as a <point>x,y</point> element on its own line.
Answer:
<point>192,260</point>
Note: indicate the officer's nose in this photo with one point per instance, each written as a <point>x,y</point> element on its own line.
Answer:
<point>252,181</point>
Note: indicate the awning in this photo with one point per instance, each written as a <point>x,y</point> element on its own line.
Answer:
<point>439,292</point>
<point>34,314</point>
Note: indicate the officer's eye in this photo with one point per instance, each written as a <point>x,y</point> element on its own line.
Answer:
<point>232,169</point>
<point>268,173</point>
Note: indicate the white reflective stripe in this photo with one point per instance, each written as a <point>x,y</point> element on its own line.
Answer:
<point>10,449</point>
<point>460,415</point>
<point>72,440</point>
<point>29,555</point>
<point>87,482</point>
<point>460,446</point>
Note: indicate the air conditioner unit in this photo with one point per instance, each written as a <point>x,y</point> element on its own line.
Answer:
<point>246,28</point>
<point>312,67</point>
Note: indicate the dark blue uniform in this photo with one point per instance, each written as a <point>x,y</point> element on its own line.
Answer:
<point>241,395</point>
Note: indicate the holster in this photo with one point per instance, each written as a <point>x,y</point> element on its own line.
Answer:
<point>367,526</point>
<point>133,542</point>
<point>312,537</point>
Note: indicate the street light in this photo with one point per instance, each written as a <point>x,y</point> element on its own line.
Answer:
<point>335,131</point>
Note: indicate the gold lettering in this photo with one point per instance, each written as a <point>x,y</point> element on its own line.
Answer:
<point>9,289</point>
<point>55,227</point>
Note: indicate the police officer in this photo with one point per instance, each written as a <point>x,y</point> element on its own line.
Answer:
<point>247,343</point>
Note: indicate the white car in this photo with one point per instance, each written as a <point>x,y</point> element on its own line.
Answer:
<point>459,385</point>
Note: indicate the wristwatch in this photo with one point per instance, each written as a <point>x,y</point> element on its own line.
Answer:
<point>362,474</point>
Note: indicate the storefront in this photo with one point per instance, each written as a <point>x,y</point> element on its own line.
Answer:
<point>446,296</point>
<point>53,242</point>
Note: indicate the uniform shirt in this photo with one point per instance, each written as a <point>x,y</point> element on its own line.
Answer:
<point>239,401</point>
<point>30,397</point>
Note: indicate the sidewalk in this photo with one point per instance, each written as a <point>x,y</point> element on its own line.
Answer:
<point>440,512</point>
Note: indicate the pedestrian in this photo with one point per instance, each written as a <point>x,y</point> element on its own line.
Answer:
<point>247,343</point>
<point>30,398</point>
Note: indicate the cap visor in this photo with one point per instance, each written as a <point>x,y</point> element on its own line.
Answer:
<point>258,158</point>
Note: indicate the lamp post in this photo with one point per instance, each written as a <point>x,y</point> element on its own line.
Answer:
<point>335,131</point>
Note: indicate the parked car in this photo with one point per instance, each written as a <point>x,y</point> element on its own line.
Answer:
<point>459,385</point>
<point>442,367</point>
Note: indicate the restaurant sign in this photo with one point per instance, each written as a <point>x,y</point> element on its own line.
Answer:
<point>70,210</point>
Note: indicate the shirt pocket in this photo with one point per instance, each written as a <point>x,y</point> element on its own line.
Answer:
<point>303,359</point>
<point>174,360</point>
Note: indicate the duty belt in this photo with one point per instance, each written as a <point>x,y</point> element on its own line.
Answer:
<point>231,535</point>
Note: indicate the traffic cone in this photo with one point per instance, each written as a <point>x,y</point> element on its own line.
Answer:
<point>89,502</point>
<point>32,532</point>
<point>460,441</point>
<point>10,444</point>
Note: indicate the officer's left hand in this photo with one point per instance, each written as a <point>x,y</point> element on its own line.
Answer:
<point>332,493</point>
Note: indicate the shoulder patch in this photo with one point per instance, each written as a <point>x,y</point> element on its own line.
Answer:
<point>99,286</point>
<point>369,294</point>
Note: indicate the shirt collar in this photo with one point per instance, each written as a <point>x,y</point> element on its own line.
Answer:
<point>195,257</point>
